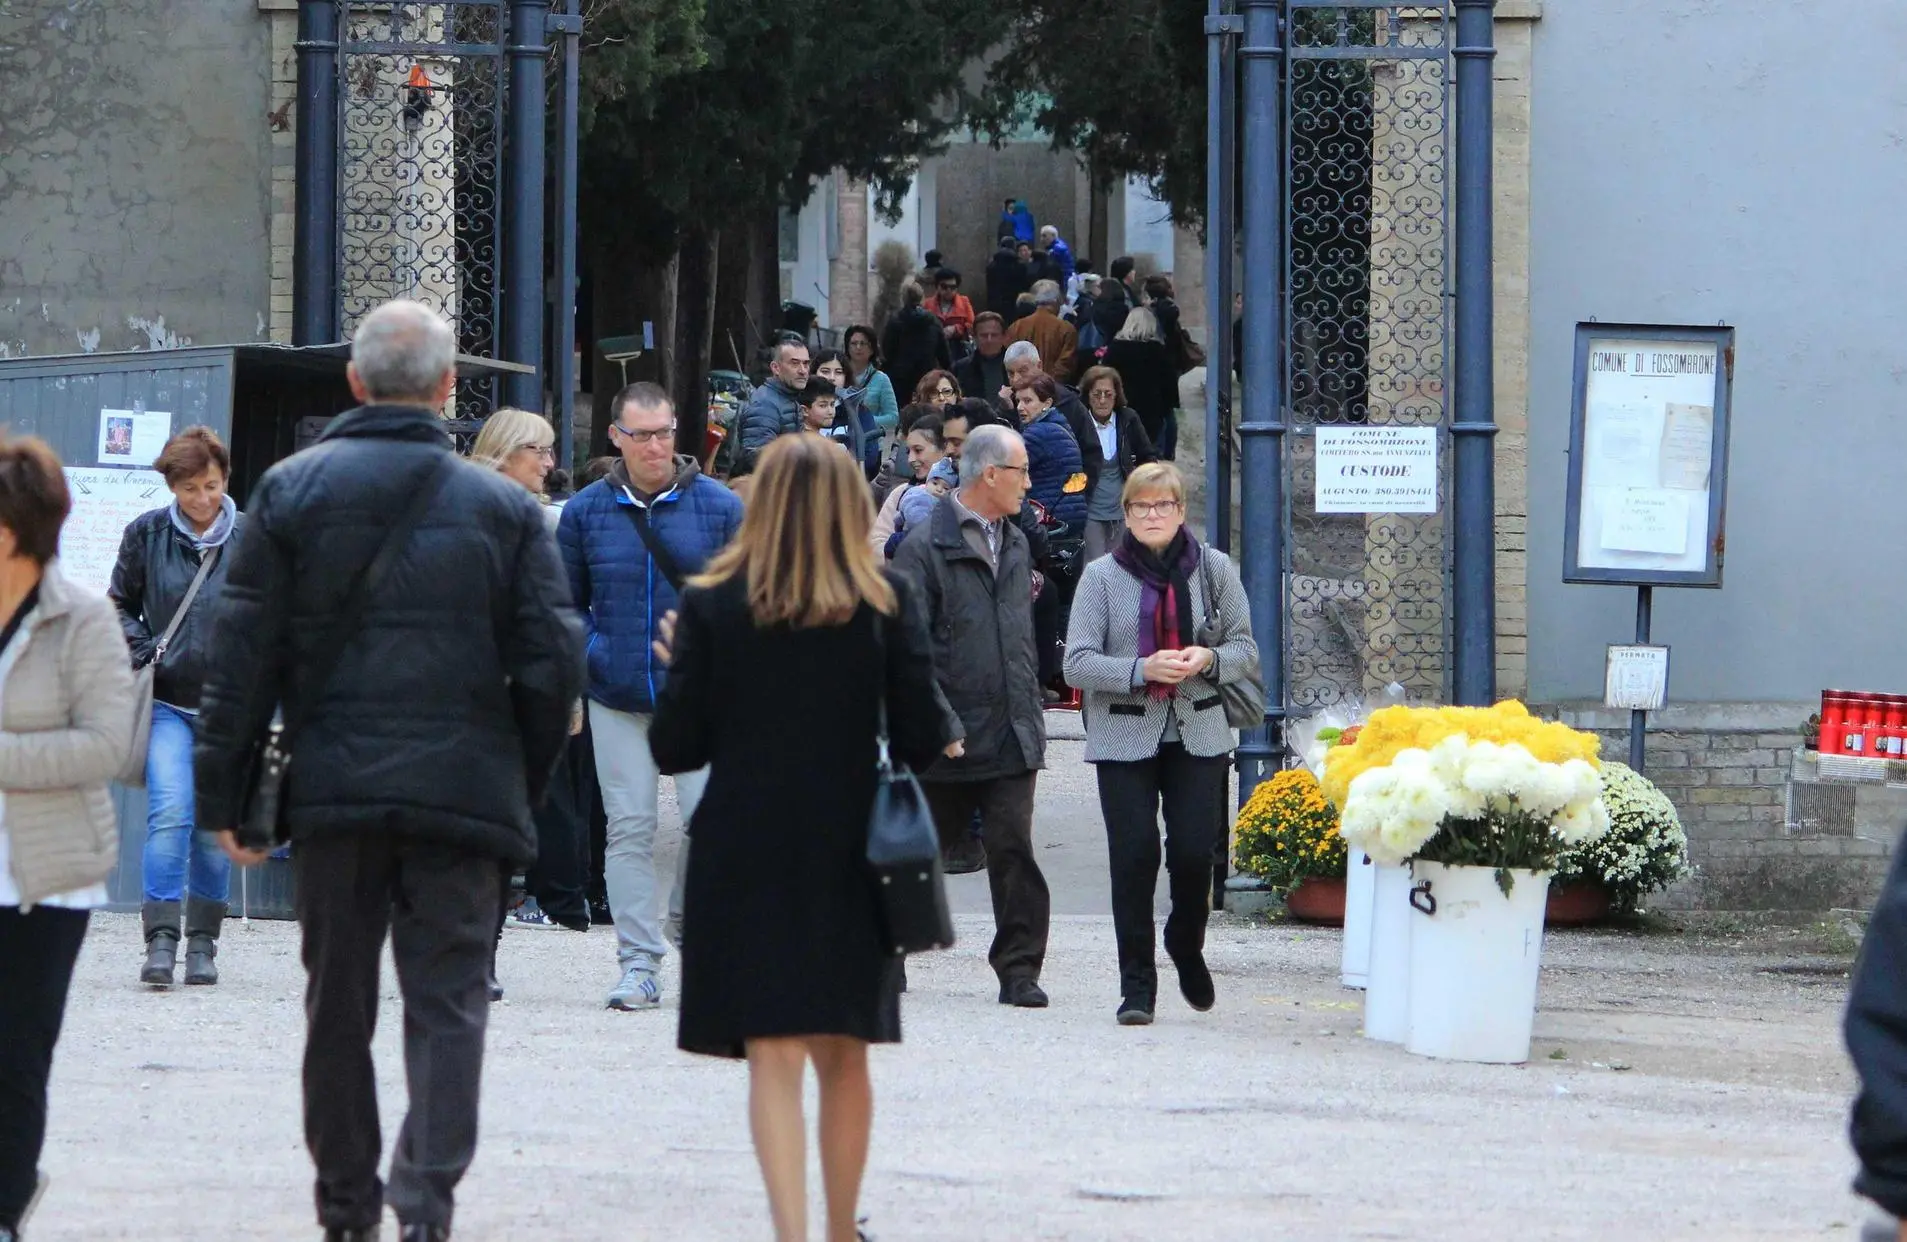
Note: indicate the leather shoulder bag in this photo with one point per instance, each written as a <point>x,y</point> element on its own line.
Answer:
<point>262,822</point>
<point>1243,696</point>
<point>134,773</point>
<point>903,848</point>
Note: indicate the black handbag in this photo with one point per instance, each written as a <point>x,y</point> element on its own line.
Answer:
<point>261,819</point>
<point>903,850</point>
<point>1244,696</point>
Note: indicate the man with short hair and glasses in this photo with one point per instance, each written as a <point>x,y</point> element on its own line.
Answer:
<point>974,566</point>
<point>629,541</point>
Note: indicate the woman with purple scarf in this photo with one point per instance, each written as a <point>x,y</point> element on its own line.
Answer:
<point>1155,724</point>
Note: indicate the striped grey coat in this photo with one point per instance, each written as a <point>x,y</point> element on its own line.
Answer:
<point>1123,724</point>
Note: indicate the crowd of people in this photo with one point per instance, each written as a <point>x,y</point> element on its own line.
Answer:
<point>465,666</point>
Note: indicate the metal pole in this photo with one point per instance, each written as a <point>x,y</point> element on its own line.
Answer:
<point>523,181</point>
<point>314,247</point>
<point>571,25</point>
<point>1639,721</point>
<point>1474,428</point>
<point>1262,429</point>
<point>1220,162</point>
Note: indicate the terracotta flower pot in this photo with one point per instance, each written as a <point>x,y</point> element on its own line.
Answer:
<point>1317,899</point>
<point>1576,905</point>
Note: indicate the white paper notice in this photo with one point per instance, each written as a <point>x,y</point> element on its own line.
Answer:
<point>1624,452</point>
<point>1688,436</point>
<point>132,437</point>
<point>1636,678</point>
<point>104,501</point>
<point>1377,470</point>
<point>1647,519</point>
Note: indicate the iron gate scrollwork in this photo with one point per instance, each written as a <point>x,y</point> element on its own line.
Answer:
<point>421,110</point>
<point>1368,91</point>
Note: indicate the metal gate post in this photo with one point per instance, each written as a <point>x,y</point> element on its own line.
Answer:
<point>522,282</point>
<point>1221,158</point>
<point>1262,429</point>
<point>314,247</point>
<point>1474,428</point>
<point>570,24</point>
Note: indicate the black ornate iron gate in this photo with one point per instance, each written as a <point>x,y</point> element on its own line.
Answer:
<point>422,98</point>
<point>1367,92</point>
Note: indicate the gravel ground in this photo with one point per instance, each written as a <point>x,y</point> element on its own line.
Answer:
<point>1701,1094</point>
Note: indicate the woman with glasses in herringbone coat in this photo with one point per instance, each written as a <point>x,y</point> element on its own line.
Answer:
<point>1155,724</point>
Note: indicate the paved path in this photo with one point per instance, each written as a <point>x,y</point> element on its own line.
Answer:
<point>175,1116</point>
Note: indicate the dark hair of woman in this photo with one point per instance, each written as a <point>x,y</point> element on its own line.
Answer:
<point>34,501</point>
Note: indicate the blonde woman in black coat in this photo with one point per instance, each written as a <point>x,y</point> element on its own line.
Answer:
<point>793,631</point>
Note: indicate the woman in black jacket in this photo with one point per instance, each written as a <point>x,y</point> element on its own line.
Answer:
<point>793,631</point>
<point>913,343</point>
<point>1138,353</point>
<point>160,555</point>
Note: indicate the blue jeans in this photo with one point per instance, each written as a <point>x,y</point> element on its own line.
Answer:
<point>171,839</point>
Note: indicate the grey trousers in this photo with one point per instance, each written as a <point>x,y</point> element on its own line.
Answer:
<point>439,907</point>
<point>1103,537</point>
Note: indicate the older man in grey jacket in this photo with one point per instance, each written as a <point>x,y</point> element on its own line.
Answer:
<point>975,571</point>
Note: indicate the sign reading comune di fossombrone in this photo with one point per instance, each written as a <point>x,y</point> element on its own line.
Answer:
<point>1377,470</point>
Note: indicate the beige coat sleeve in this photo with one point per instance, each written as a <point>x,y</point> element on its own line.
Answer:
<point>92,749</point>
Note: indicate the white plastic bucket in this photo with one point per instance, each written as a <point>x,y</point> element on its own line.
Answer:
<point>1475,955</point>
<point>1387,990</point>
<point>1360,892</point>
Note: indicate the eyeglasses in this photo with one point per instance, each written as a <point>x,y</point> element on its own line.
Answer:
<point>1153,508</point>
<point>541,450</point>
<point>1021,469</point>
<point>947,288</point>
<point>647,436</point>
<point>944,391</point>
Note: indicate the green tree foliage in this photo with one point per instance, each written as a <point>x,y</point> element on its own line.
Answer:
<point>1120,81</point>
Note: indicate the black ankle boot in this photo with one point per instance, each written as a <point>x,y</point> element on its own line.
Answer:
<point>161,920</point>
<point>203,920</point>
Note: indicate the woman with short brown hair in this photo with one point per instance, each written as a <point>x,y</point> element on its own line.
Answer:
<point>794,631</point>
<point>66,717</point>
<point>168,578</point>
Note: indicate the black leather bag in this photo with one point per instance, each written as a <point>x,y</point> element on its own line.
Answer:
<point>261,819</point>
<point>1244,695</point>
<point>903,850</point>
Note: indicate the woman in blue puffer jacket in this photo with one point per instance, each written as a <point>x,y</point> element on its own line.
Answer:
<point>1055,469</point>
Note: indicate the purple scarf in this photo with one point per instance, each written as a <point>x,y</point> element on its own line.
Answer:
<point>1165,595</point>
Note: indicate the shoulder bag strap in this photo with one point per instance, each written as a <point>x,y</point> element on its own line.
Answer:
<point>670,567</point>
<point>352,614</point>
<point>885,760</point>
<point>185,605</point>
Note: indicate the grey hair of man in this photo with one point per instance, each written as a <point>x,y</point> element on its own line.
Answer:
<point>1021,351</point>
<point>402,352</point>
<point>1046,293</point>
<point>986,447</point>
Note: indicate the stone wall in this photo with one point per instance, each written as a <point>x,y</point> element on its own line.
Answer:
<point>135,196</point>
<point>1764,832</point>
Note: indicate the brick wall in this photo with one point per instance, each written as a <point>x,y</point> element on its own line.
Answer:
<point>1756,842</point>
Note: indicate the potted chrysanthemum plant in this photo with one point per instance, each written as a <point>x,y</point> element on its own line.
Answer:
<point>1287,835</point>
<point>1643,852</point>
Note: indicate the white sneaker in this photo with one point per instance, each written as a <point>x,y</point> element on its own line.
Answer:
<point>638,990</point>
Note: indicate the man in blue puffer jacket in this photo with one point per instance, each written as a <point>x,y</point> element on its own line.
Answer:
<point>629,541</point>
<point>1055,467</point>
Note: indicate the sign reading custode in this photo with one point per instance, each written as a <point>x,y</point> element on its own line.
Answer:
<point>1377,470</point>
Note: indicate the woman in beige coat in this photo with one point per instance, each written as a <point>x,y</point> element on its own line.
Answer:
<point>66,728</point>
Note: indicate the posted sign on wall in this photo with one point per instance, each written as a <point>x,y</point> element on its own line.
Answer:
<point>1648,460</point>
<point>1377,470</point>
